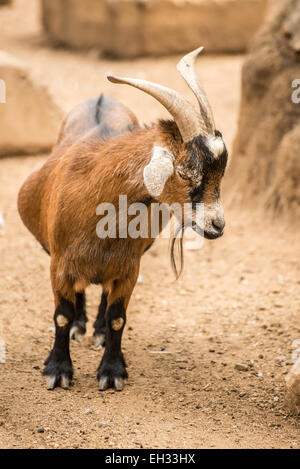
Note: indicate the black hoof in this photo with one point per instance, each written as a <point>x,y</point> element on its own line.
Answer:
<point>58,373</point>
<point>112,373</point>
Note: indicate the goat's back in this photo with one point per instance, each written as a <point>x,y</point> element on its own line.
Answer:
<point>97,118</point>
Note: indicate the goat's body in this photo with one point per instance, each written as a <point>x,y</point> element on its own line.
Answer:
<point>100,154</point>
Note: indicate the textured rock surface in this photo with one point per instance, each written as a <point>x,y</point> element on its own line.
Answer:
<point>130,28</point>
<point>293,388</point>
<point>265,162</point>
<point>29,119</point>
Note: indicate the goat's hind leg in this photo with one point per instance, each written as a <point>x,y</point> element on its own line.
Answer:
<point>100,323</point>
<point>78,328</point>
<point>58,366</point>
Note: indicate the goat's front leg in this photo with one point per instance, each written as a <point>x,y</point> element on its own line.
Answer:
<point>112,369</point>
<point>58,366</point>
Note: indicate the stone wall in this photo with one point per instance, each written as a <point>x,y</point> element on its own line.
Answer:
<point>131,28</point>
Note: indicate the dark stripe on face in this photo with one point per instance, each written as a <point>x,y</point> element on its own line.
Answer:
<point>198,149</point>
<point>212,168</point>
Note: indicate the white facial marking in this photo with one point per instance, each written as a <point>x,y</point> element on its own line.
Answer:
<point>157,172</point>
<point>215,144</point>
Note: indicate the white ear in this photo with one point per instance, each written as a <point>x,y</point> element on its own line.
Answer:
<point>157,172</point>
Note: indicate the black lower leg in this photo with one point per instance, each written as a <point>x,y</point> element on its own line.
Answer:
<point>100,323</point>
<point>112,369</point>
<point>58,366</point>
<point>78,326</point>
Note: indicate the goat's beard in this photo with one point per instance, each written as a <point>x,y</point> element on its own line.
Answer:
<point>177,241</point>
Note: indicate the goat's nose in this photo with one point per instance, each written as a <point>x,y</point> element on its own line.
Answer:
<point>219,224</point>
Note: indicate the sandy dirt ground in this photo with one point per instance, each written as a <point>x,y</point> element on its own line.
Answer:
<point>207,354</point>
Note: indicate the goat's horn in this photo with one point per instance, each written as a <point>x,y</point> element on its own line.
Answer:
<point>189,122</point>
<point>186,67</point>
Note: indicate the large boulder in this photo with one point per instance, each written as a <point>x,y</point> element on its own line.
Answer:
<point>130,28</point>
<point>29,119</point>
<point>265,167</point>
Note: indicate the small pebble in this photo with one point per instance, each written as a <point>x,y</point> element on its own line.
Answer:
<point>88,411</point>
<point>241,367</point>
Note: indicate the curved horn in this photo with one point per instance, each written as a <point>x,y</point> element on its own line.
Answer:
<point>189,122</point>
<point>186,67</point>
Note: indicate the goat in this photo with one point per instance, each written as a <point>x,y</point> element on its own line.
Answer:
<point>102,152</point>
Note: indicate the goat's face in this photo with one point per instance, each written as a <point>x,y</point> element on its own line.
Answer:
<point>202,164</point>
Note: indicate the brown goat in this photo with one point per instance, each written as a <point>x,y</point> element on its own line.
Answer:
<point>102,153</point>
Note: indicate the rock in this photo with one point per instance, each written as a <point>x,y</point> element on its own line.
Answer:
<point>296,350</point>
<point>29,119</point>
<point>265,167</point>
<point>87,411</point>
<point>292,398</point>
<point>2,351</point>
<point>241,367</point>
<point>131,28</point>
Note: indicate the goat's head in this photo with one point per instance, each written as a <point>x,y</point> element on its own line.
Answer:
<point>198,162</point>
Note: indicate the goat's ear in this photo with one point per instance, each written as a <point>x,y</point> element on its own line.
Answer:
<point>157,172</point>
